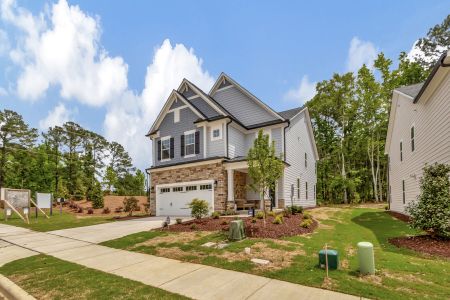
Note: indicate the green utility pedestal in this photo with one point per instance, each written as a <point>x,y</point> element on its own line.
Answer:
<point>333,259</point>
<point>366,258</point>
<point>236,232</point>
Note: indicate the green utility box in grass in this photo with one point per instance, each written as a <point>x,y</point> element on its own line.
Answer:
<point>237,231</point>
<point>333,259</point>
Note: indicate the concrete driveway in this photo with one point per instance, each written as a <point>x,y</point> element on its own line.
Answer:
<point>113,230</point>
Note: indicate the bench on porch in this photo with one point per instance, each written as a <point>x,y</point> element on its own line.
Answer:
<point>244,204</point>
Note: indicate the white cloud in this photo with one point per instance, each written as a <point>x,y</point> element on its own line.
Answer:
<point>58,116</point>
<point>359,53</point>
<point>128,120</point>
<point>304,92</point>
<point>416,53</point>
<point>62,49</point>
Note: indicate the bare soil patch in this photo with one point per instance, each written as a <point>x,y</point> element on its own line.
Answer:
<point>424,244</point>
<point>113,203</point>
<point>399,216</point>
<point>182,237</point>
<point>289,227</point>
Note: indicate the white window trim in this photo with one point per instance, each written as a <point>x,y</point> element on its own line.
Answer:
<point>176,116</point>
<point>410,140</point>
<point>185,134</point>
<point>164,139</point>
<point>216,127</point>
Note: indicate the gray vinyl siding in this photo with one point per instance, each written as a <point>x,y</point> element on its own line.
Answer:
<point>177,103</point>
<point>188,93</point>
<point>204,107</point>
<point>242,107</point>
<point>215,148</point>
<point>299,141</point>
<point>432,141</point>
<point>175,130</point>
<point>236,143</point>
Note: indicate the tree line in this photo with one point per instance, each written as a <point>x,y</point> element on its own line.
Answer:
<point>350,115</point>
<point>68,160</point>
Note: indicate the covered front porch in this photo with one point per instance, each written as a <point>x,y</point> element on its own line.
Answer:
<point>241,197</point>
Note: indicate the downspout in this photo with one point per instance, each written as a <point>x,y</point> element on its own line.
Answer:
<point>284,140</point>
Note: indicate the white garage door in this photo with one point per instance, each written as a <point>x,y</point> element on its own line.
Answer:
<point>173,199</point>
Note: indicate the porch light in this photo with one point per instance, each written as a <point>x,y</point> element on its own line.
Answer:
<point>215,183</point>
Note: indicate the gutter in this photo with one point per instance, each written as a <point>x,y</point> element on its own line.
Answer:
<point>440,63</point>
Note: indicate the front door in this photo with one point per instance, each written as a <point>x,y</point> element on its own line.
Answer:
<point>272,197</point>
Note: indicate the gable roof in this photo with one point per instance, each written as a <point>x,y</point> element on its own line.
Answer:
<point>290,113</point>
<point>410,90</point>
<point>213,107</point>
<point>173,95</point>
<point>244,91</point>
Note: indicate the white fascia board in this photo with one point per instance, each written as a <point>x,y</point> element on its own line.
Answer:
<point>392,114</point>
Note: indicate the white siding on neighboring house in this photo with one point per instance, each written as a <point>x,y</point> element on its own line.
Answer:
<point>431,120</point>
<point>299,141</point>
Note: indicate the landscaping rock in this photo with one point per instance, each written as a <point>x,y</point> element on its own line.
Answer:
<point>247,250</point>
<point>221,246</point>
<point>209,244</point>
<point>259,261</point>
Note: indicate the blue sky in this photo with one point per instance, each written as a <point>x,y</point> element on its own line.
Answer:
<point>127,56</point>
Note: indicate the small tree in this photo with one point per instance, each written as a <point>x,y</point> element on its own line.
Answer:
<point>264,167</point>
<point>96,196</point>
<point>130,204</point>
<point>432,210</point>
<point>199,208</point>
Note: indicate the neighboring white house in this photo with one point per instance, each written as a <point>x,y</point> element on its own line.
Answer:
<point>418,133</point>
<point>200,142</point>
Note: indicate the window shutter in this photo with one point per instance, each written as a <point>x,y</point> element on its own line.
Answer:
<point>182,144</point>
<point>159,150</point>
<point>172,147</point>
<point>197,142</point>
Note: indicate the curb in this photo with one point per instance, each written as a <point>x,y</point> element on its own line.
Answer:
<point>11,291</point>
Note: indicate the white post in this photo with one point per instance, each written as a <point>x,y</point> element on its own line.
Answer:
<point>230,174</point>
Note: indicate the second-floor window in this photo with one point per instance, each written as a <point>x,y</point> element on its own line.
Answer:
<point>189,144</point>
<point>306,190</point>
<point>413,146</point>
<point>306,160</point>
<point>165,149</point>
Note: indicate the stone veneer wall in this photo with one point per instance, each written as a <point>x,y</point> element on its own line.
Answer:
<point>240,185</point>
<point>213,171</point>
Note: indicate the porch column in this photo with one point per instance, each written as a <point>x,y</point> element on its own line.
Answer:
<point>230,173</point>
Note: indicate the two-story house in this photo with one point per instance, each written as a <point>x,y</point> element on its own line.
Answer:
<point>200,142</point>
<point>418,133</point>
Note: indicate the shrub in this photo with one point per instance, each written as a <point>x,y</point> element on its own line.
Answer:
<point>96,195</point>
<point>106,210</point>
<point>79,209</point>
<point>215,215</point>
<point>138,208</point>
<point>271,214</point>
<point>90,211</point>
<point>229,212</point>
<point>297,209</point>
<point>118,209</point>
<point>306,223</point>
<point>194,226</point>
<point>179,220</point>
<point>199,208</point>
<point>260,215</point>
<point>224,222</point>
<point>307,216</point>
<point>286,212</point>
<point>130,204</point>
<point>253,220</point>
<point>278,220</point>
<point>432,210</point>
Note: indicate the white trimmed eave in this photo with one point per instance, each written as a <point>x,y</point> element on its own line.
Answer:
<point>173,95</point>
<point>201,95</point>
<point>310,129</point>
<point>435,83</point>
<point>244,91</point>
<point>392,114</point>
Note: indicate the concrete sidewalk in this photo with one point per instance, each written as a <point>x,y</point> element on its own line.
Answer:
<point>192,280</point>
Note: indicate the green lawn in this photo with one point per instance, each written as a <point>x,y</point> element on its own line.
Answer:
<point>401,273</point>
<point>46,277</point>
<point>56,222</point>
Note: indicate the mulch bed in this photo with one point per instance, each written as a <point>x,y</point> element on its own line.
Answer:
<point>289,227</point>
<point>399,216</point>
<point>424,244</point>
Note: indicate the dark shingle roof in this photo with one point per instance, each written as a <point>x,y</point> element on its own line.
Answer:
<point>410,90</point>
<point>288,114</point>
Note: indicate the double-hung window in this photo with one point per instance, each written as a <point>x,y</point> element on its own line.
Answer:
<point>165,149</point>
<point>189,144</point>
<point>306,160</point>
<point>298,188</point>
<point>306,190</point>
<point>413,145</point>
<point>401,151</point>
<point>403,192</point>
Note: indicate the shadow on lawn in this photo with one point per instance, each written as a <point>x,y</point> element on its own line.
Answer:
<point>384,227</point>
